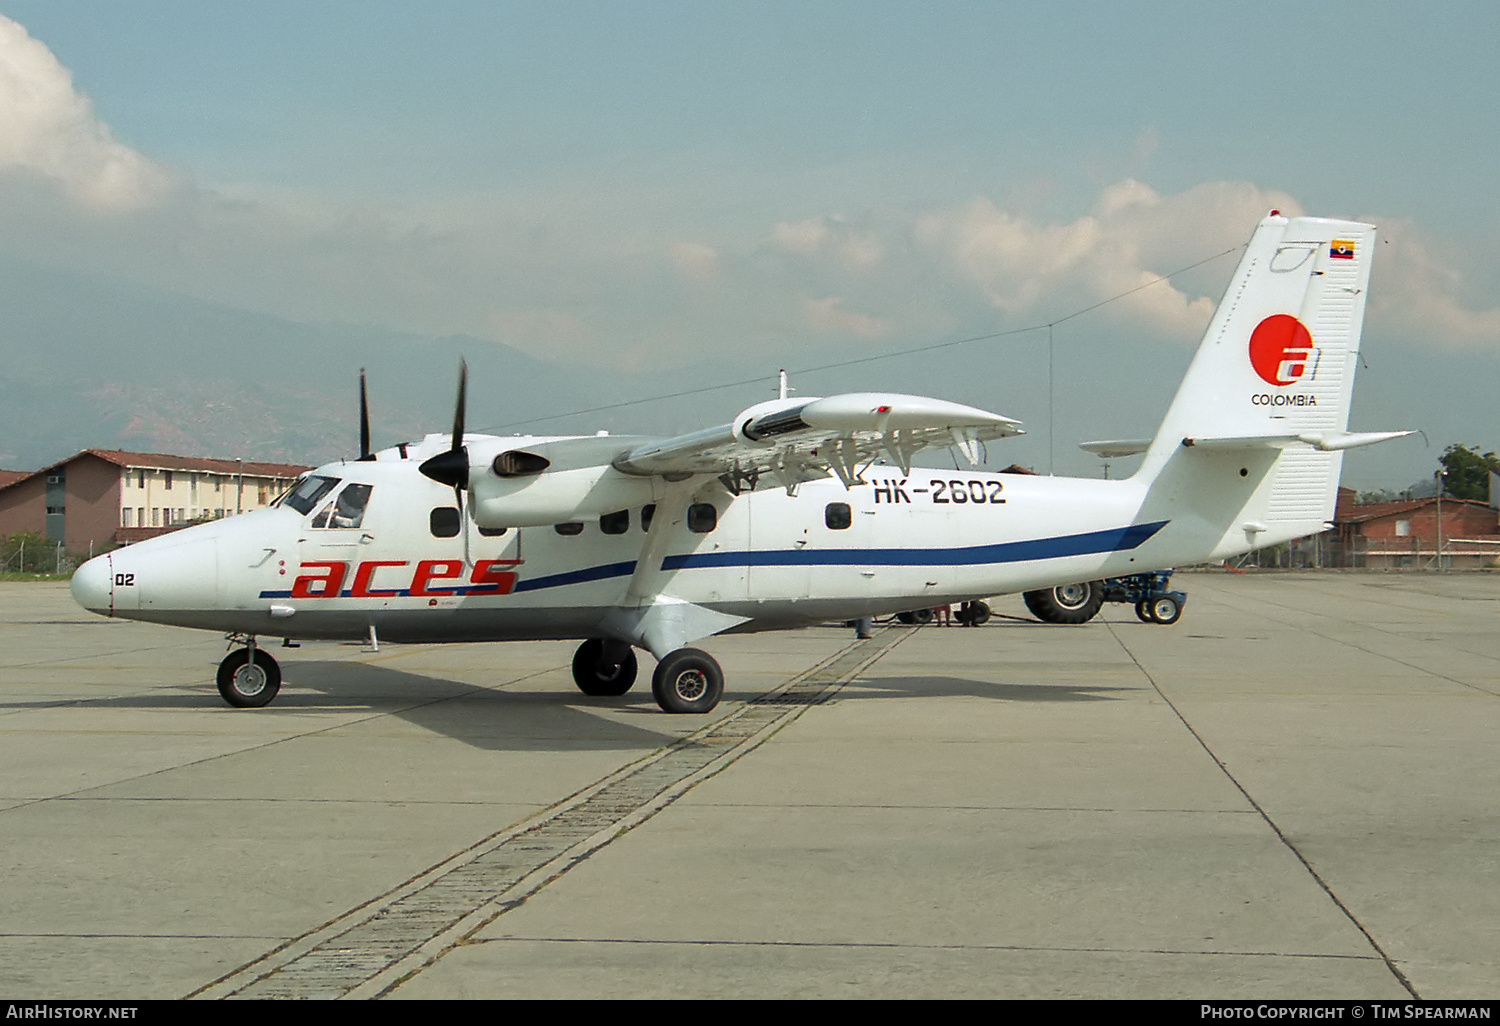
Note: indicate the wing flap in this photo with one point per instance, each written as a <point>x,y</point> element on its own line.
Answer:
<point>803,439</point>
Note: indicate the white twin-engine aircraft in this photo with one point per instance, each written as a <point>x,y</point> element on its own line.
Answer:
<point>800,511</point>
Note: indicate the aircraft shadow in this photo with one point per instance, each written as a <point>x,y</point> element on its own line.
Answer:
<point>518,718</point>
<point>962,687</point>
<point>510,718</point>
<point>488,718</point>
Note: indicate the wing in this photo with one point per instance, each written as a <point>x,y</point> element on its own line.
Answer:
<point>796,440</point>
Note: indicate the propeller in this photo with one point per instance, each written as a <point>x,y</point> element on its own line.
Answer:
<point>364,421</point>
<point>452,467</point>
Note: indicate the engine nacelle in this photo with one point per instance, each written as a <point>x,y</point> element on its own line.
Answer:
<point>557,496</point>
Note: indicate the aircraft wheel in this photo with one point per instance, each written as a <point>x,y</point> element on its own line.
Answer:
<point>1066,603</point>
<point>602,681</point>
<point>916,617</point>
<point>979,613</point>
<point>1143,612</point>
<point>687,681</point>
<point>247,686</point>
<point>1165,609</point>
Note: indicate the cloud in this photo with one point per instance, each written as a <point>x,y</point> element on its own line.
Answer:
<point>1132,237</point>
<point>829,237</point>
<point>694,260</point>
<point>576,270</point>
<point>825,316</point>
<point>48,128</point>
<point>1417,294</point>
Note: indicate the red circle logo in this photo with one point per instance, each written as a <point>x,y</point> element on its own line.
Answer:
<point>1280,347</point>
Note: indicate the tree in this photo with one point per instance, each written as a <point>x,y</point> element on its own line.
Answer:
<point>1468,472</point>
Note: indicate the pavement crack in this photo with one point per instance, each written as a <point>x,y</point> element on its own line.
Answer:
<point>1270,822</point>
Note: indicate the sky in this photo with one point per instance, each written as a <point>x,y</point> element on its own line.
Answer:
<point>648,186</point>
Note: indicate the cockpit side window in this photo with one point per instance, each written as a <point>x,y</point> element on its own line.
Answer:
<point>307,493</point>
<point>348,510</point>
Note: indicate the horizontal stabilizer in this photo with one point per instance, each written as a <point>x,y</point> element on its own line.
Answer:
<point>1323,441</point>
<point>1116,448</point>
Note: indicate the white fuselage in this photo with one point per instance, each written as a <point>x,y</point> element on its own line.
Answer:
<point>775,560</point>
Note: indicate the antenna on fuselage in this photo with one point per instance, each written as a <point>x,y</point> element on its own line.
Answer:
<point>784,388</point>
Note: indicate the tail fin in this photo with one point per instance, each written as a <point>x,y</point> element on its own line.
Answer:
<point>1253,440</point>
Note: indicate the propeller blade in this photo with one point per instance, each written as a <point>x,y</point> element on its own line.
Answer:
<point>458,414</point>
<point>452,467</point>
<point>364,420</point>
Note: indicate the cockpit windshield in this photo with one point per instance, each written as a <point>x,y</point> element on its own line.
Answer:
<point>307,493</point>
<point>348,510</point>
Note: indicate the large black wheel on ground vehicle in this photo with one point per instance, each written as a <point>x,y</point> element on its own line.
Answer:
<point>1066,603</point>
<point>245,685</point>
<point>601,678</point>
<point>1164,609</point>
<point>687,681</point>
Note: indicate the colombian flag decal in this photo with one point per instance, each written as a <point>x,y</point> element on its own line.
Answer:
<point>1341,249</point>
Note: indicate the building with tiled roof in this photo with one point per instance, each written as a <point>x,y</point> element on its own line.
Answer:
<point>104,497</point>
<point>1413,533</point>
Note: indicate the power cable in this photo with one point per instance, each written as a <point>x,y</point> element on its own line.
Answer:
<point>991,336</point>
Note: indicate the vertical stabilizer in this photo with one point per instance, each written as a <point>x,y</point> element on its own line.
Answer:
<point>1256,432</point>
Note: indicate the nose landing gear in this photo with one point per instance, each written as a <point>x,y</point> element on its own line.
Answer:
<point>249,677</point>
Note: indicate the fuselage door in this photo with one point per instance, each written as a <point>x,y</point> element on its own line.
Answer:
<point>340,529</point>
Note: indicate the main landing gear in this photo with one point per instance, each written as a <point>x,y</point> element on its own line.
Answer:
<point>1066,603</point>
<point>249,677</point>
<point>685,681</point>
<point>604,668</point>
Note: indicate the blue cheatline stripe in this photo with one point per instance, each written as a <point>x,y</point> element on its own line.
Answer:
<point>592,573</point>
<point>1120,539</point>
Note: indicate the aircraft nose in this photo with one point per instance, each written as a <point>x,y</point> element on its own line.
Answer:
<point>91,585</point>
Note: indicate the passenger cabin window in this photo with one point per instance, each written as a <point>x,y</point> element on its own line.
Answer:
<point>702,517</point>
<point>307,493</point>
<point>571,528</point>
<point>615,523</point>
<point>443,522</point>
<point>838,516</point>
<point>647,512</point>
<point>346,511</point>
<point>492,532</point>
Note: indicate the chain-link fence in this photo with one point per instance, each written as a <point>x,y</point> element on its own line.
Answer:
<point>33,554</point>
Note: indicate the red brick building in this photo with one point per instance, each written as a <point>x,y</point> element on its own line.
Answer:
<point>1406,533</point>
<point>101,497</point>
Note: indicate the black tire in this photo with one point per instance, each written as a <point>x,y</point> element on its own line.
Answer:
<point>606,683</point>
<point>249,687</point>
<point>1066,603</point>
<point>1165,609</point>
<point>687,681</point>
<point>916,617</point>
<point>1143,612</point>
<point>973,614</point>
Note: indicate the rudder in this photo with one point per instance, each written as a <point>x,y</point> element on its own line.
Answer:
<point>1256,431</point>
